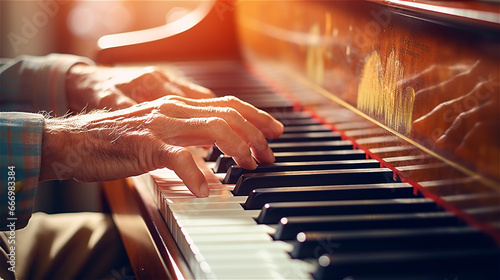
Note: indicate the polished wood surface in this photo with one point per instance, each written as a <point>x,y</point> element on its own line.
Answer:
<point>424,75</point>
<point>433,81</point>
<point>150,247</point>
<point>211,35</point>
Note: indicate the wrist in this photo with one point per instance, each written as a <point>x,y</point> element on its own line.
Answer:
<point>55,136</point>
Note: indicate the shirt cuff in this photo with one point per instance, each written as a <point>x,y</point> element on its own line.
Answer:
<point>48,80</point>
<point>20,157</point>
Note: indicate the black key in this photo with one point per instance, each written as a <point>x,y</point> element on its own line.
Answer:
<point>289,227</point>
<point>248,182</point>
<point>240,87</point>
<point>311,146</point>
<point>234,172</point>
<point>291,115</point>
<point>223,162</point>
<point>319,155</point>
<point>259,197</point>
<point>302,122</point>
<point>470,264</point>
<point>306,128</point>
<point>307,137</point>
<point>288,107</point>
<point>234,84</point>
<point>213,154</point>
<point>278,109</point>
<point>279,106</point>
<point>315,244</point>
<point>331,142</point>
<point>272,212</point>
<point>262,95</point>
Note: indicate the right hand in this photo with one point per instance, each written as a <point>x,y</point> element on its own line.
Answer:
<point>111,145</point>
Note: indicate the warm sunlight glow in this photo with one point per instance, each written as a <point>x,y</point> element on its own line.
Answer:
<point>90,19</point>
<point>177,26</point>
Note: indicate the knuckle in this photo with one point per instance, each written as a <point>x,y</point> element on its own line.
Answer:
<point>156,69</point>
<point>172,98</point>
<point>216,123</point>
<point>232,100</point>
<point>260,138</point>
<point>168,106</point>
<point>231,113</point>
<point>205,90</point>
<point>182,156</point>
<point>463,116</point>
<point>154,117</point>
<point>150,70</point>
<point>216,126</point>
<point>107,97</point>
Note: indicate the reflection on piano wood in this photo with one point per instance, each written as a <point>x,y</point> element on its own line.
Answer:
<point>389,164</point>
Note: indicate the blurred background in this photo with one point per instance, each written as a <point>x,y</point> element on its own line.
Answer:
<point>73,27</point>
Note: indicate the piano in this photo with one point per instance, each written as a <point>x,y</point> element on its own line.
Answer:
<point>389,167</point>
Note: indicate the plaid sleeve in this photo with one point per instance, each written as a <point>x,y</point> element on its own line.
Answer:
<point>20,153</point>
<point>33,84</point>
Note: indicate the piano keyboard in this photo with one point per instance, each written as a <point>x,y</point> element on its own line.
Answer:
<point>324,210</point>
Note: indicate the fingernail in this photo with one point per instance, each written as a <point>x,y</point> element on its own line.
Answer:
<point>279,127</point>
<point>204,190</point>
<point>254,164</point>
<point>270,154</point>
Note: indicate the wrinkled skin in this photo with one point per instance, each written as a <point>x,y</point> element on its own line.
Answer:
<point>151,128</point>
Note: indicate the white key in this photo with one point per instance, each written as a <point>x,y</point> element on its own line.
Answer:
<point>218,238</point>
<point>232,229</point>
<point>230,238</point>
<point>216,221</point>
<point>240,247</point>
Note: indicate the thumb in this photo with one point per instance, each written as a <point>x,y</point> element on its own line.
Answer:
<point>181,161</point>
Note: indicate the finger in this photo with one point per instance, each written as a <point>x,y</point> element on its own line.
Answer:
<point>181,161</point>
<point>229,142</point>
<point>113,100</point>
<point>205,131</point>
<point>189,89</point>
<point>145,84</point>
<point>153,84</point>
<point>454,135</point>
<point>192,90</point>
<point>247,131</point>
<point>260,119</point>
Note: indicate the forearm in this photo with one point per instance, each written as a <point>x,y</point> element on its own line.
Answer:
<point>94,147</point>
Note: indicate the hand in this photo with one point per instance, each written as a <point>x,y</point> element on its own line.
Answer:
<point>460,118</point>
<point>98,87</point>
<point>110,145</point>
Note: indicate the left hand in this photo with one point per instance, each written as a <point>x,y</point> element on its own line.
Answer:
<point>98,87</point>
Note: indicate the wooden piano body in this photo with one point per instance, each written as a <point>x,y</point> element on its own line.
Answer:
<point>419,75</point>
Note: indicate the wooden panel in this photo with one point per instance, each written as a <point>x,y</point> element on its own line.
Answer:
<point>148,242</point>
<point>430,77</point>
<point>211,36</point>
